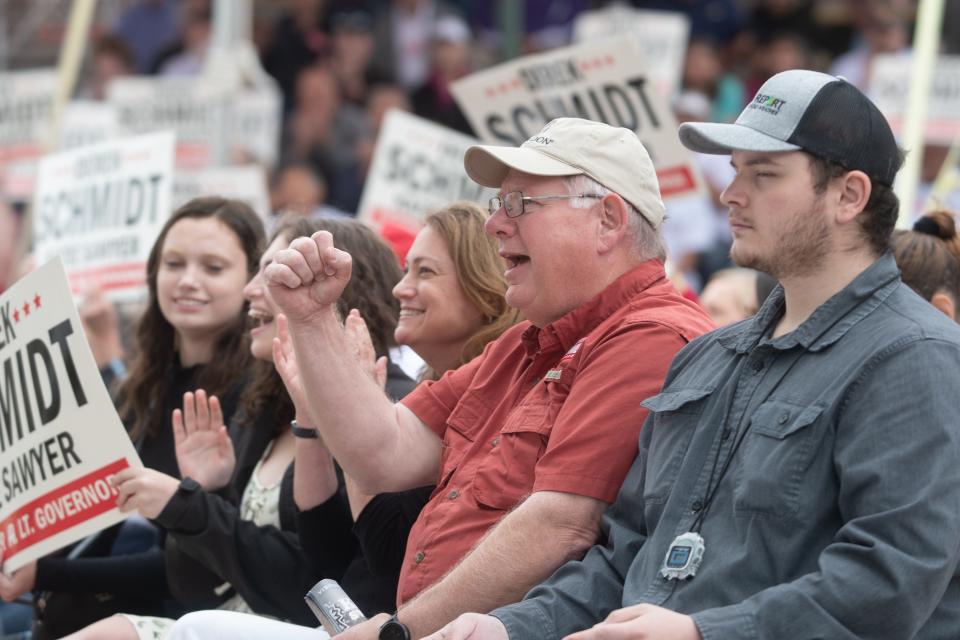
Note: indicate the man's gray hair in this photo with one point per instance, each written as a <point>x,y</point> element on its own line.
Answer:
<point>648,242</point>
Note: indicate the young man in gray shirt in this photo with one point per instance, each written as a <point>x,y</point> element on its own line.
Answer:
<point>799,474</point>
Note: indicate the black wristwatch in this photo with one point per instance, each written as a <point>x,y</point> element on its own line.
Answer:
<point>303,432</point>
<point>393,629</point>
<point>189,485</point>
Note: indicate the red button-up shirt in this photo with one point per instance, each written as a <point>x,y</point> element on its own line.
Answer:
<point>551,409</point>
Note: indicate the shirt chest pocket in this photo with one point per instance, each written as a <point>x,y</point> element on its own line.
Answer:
<point>463,424</point>
<point>675,415</point>
<point>506,474</point>
<point>778,450</point>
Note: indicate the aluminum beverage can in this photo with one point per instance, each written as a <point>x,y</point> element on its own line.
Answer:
<point>333,607</point>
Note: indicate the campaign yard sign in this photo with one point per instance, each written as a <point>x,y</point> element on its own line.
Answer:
<point>26,109</point>
<point>100,207</point>
<point>417,167</point>
<point>890,85</point>
<point>598,80</point>
<point>661,36</point>
<point>87,122</point>
<point>247,183</point>
<point>60,438</point>
<point>196,111</point>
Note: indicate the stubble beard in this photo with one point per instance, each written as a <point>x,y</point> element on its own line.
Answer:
<point>800,250</point>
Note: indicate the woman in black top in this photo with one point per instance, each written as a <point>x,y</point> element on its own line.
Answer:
<point>191,334</point>
<point>228,553</point>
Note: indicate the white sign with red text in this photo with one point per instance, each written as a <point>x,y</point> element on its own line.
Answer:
<point>417,167</point>
<point>890,84</point>
<point>250,121</point>
<point>601,81</point>
<point>87,122</point>
<point>661,36</point>
<point>60,437</point>
<point>247,183</point>
<point>26,111</point>
<point>100,207</point>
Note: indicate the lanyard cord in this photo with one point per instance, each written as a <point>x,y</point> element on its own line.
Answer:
<point>712,488</point>
<point>711,492</point>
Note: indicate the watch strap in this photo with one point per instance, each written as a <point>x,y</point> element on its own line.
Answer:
<point>303,432</point>
<point>393,629</point>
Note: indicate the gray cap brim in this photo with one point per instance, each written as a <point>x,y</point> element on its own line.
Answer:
<point>489,165</point>
<point>721,139</point>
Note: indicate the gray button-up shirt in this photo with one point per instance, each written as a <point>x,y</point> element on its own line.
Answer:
<point>839,514</point>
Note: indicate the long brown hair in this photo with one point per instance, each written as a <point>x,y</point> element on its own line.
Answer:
<point>142,393</point>
<point>479,271</point>
<point>375,273</point>
<point>929,256</point>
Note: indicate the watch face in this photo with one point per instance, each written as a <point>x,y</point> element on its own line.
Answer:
<point>394,630</point>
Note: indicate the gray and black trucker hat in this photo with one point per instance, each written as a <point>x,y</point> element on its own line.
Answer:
<point>804,110</point>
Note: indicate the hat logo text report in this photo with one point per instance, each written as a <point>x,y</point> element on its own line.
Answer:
<point>767,103</point>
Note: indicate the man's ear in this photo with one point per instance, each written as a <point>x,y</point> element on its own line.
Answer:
<point>614,222</point>
<point>945,303</point>
<point>854,193</point>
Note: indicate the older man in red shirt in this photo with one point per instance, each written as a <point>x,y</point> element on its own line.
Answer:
<point>529,442</point>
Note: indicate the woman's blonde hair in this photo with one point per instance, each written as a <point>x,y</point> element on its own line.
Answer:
<point>479,269</point>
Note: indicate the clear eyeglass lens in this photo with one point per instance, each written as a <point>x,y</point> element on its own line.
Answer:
<point>494,204</point>
<point>513,202</point>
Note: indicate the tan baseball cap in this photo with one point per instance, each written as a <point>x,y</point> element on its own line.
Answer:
<point>613,156</point>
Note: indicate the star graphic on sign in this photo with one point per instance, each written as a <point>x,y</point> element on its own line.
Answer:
<point>36,301</point>
<point>16,315</point>
<point>26,308</point>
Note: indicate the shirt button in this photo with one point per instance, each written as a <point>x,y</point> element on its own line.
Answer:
<point>453,495</point>
<point>495,442</point>
<point>419,557</point>
<point>783,418</point>
<point>697,506</point>
<point>757,366</point>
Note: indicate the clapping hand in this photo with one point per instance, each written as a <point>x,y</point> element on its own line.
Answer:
<point>204,450</point>
<point>358,337</point>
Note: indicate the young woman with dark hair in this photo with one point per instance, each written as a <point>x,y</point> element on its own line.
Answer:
<point>191,334</point>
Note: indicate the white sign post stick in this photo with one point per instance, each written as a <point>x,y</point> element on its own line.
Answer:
<point>600,81</point>
<point>71,55</point>
<point>60,438</point>
<point>946,189</point>
<point>417,166</point>
<point>100,207</point>
<point>926,41</point>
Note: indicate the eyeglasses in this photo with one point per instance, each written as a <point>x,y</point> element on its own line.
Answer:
<point>512,203</point>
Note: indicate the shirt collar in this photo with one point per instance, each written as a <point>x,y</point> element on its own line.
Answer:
<point>829,322</point>
<point>563,333</point>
